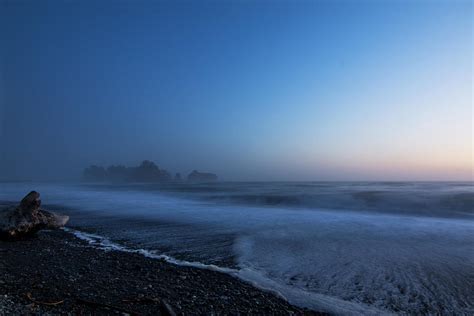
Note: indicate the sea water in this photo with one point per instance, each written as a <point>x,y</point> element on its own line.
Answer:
<point>343,247</point>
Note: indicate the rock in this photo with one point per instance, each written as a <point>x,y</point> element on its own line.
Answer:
<point>95,173</point>
<point>147,171</point>
<point>30,202</point>
<point>27,218</point>
<point>197,176</point>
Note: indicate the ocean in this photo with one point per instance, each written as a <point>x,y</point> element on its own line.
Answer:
<point>344,247</point>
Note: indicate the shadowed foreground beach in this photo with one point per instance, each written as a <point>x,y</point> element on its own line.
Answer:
<point>56,273</point>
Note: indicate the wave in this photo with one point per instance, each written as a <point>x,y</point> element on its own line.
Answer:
<point>333,250</point>
<point>447,205</point>
<point>436,199</point>
<point>444,199</point>
<point>103,243</point>
<point>295,296</point>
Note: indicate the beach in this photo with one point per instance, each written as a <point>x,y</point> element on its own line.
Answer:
<point>214,157</point>
<point>57,273</point>
<point>348,248</point>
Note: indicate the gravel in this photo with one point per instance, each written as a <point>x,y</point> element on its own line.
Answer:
<point>56,273</point>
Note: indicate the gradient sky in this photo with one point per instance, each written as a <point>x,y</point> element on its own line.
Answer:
<point>252,90</point>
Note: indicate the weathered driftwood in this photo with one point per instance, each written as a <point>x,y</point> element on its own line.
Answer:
<point>27,218</point>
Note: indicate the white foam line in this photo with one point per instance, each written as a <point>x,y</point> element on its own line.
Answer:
<point>105,244</point>
<point>298,297</point>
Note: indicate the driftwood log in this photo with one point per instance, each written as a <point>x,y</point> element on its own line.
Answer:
<point>27,218</point>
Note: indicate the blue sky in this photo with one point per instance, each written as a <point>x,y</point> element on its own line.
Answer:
<point>253,90</point>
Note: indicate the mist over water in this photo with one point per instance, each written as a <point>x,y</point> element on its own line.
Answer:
<point>256,90</point>
<point>347,248</point>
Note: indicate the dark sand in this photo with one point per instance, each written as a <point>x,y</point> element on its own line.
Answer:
<point>56,273</point>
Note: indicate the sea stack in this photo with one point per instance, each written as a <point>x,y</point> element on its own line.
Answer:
<point>197,176</point>
<point>27,218</point>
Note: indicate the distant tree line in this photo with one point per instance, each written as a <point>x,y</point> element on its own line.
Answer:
<point>147,171</point>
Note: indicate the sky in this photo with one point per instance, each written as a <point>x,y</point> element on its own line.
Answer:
<point>250,90</point>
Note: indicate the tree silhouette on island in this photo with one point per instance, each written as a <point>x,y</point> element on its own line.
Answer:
<point>147,171</point>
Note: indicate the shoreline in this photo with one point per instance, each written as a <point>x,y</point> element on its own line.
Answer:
<point>56,273</point>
